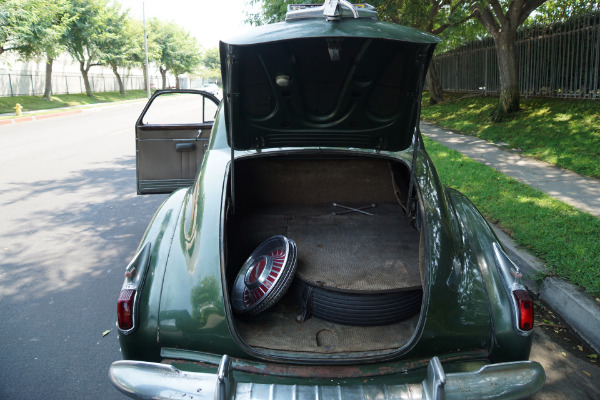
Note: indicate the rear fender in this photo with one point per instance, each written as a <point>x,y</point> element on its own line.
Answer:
<point>142,342</point>
<point>509,343</point>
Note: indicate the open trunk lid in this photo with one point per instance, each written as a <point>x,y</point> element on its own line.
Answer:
<point>313,82</point>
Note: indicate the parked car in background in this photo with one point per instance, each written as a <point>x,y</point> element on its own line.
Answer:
<point>211,88</point>
<point>308,249</point>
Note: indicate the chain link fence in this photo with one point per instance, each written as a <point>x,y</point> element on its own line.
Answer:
<point>32,84</point>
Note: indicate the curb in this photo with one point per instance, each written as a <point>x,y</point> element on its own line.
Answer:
<point>37,117</point>
<point>577,308</point>
<point>66,111</point>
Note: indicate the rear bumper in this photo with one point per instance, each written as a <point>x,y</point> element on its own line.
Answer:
<point>143,380</point>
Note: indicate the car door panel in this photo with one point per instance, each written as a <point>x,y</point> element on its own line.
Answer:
<point>169,152</point>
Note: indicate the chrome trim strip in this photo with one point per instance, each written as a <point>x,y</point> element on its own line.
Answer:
<point>164,186</point>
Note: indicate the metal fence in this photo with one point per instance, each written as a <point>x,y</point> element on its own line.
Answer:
<point>70,83</point>
<point>559,60</point>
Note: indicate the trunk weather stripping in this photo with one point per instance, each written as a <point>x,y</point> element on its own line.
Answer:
<point>417,143</point>
<point>232,60</point>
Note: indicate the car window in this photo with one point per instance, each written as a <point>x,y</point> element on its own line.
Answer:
<point>180,108</point>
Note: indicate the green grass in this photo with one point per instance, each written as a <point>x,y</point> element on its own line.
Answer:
<point>34,103</point>
<point>566,239</point>
<point>558,131</point>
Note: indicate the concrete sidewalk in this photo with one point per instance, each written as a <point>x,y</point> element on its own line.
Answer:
<point>577,190</point>
<point>580,310</point>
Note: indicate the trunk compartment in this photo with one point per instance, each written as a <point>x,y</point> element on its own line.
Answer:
<point>349,258</point>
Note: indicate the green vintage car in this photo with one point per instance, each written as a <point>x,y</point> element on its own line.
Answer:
<point>308,249</point>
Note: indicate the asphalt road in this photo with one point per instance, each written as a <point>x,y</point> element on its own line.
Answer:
<point>70,221</point>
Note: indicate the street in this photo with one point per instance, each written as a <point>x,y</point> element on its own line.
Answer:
<point>70,221</point>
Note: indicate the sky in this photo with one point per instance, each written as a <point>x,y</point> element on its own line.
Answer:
<point>207,20</point>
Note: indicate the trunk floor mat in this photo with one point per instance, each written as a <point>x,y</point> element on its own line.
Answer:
<point>277,329</point>
<point>370,253</point>
<point>357,253</point>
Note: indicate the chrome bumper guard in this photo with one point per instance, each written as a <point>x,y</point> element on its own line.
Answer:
<point>143,380</point>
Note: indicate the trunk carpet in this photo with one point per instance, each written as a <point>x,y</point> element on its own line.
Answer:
<point>277,329</point>
<point>357,253</point>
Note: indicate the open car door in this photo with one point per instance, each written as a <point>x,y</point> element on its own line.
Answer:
<point>171,136</point>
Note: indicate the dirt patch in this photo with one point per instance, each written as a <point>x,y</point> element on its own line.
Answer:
<point>561,333</point>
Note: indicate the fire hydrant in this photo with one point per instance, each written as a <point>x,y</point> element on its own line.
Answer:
<point>18,109</point>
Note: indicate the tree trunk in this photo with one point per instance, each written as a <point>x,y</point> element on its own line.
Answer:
<point>121,89</point>
<point>508,69</point>
<point>163,74</point>
<point>48,84</point>
<point>86,80</point>
<point>436,95</point>
<point>177,82</point>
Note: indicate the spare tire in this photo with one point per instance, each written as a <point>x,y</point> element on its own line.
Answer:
<point>356,308</point>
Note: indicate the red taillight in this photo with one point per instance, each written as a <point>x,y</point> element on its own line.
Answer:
<point>125,309</point>
<point>525,307</point>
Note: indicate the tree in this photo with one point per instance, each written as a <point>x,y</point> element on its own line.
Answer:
<point>137,55</point>
<point>431,16</point>
<point>42,36</point>
<point>117,45</point>
<point>560,10</point>
<point>187,58</point>
<point>177,51</point>
<point>85,34</point>
<point>435,17</point>
<point>210,64</point>
<point>501,19</point>
<point>210,59</point>
<point>14,15</point>
<point>271,11</point>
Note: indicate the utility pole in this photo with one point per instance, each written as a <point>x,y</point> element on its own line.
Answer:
<point>146,50</point>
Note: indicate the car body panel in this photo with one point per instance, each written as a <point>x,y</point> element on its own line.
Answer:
<point>169,145</point>
<point>318,28</point>
<point>193,315</point>
<point>508,343</point>
<point>188,319</point>
<point>143,342</point>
